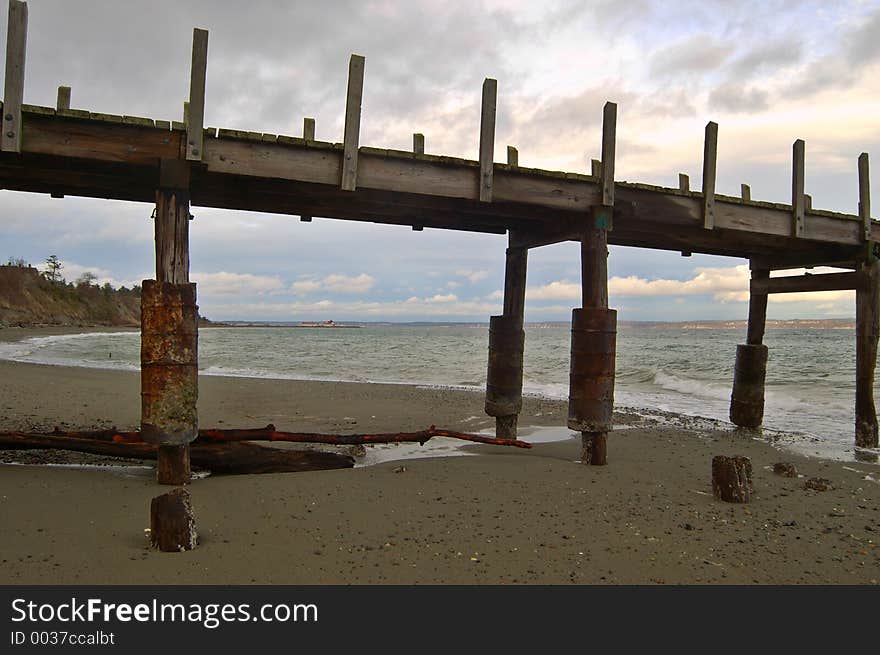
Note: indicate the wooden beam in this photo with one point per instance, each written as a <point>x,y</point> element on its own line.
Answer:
<point>802,283</point>
<point>13,92</point>
<point>684,182</point>
<point>351,137</point>
<point>512,157</point>
<point>609,146</point>
<point>745,192</point>
<point>309,129</point>
<point>710,160</point>
<point>62,103</point>
<point>596,168</point>
<point>865,196</point>
<point>757,309</point>
<point>798,202</point>
<point>487,139</point>
<point>198,73</point>
<point>419,143</point>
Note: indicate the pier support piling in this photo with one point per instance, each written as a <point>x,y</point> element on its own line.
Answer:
<point>867,331</point>
<point>750,370</point>
<point>593,350</point>
<point>169,333</point>
<point>504,373</point>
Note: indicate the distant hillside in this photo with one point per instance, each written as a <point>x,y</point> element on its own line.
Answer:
<point>27,299</point>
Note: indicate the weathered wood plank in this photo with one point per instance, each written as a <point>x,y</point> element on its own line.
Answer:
<point>351,137</point>
<point>806,283</point>
<point>487,138</point>
<point>13,91</point>
<point>745,192</point>
<point>684,183</point>
<point>103,141</point>
<point>865,196</point>
<point>798,202</point>
<point>609,147</point>
<point>419,143</point>
<point>198,73</point>
<point>710,160</point>
<point>63,100</point>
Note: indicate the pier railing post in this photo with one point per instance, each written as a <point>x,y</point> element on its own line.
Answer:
<point>867,331</point>
<point>504,374</point>
<point>750,370</point>
<point>169,332</point>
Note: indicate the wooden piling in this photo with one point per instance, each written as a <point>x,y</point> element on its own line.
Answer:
<point>351,136</point>
<point>169,332</point>
<point>867,331</point>
<point>593,346</point>
<point>798,201</point>
<point>732,478</point>
<point>750,370</point>
<point>172,523</point>
<point>13,91</point>
<point>62,102</point>
<point>710,161</point>
<point>506,345</point>
<point>198,73</point>
<point>487,139</point>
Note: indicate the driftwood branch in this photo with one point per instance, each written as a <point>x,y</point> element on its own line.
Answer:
<point>269,433</point>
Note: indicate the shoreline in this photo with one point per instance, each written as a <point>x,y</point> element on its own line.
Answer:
<point>526,517</point>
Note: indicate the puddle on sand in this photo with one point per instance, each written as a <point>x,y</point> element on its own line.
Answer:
<point>133,471</point>
<point>445,447</point>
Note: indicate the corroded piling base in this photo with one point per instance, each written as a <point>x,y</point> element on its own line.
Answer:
<point>591,380</point>
<point>169,374</point>
<point>747,398</point>
<point>504,374</point>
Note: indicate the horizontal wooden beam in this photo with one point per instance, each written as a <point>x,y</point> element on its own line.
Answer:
<point>802,283</point>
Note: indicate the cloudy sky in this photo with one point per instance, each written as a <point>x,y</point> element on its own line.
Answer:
<point>768,72</point>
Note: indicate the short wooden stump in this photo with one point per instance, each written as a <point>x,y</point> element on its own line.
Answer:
<point>732,478</point>
<point>172,523</point>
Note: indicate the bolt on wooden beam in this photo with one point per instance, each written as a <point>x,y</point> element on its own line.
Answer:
<point>198,72</point>
<point>745,191</point>
<point>512,157</point>
<point>609,147</point>
<point>710,161</point>
<point>865,196</point>
<point>309,129</point>
<point>351,137</point>
<point>63,101</point>
<point>13,92</point>
<point>684,182</point>
<point>487,138</point>
<point>798,202</point>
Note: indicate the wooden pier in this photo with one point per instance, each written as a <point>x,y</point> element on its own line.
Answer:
<point>62,151</point>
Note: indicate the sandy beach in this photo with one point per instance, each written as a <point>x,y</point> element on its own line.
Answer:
<point>506,516</point>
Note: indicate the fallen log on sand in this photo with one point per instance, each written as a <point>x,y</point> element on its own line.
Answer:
<point>227,451</point>
<point>227,458</point>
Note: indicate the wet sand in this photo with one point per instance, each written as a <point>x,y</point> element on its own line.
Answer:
<point>505,516</point>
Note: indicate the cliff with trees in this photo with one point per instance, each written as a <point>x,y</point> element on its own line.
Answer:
<point>29,297</point>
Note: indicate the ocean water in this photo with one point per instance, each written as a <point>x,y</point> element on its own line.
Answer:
<point>810,377</point>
